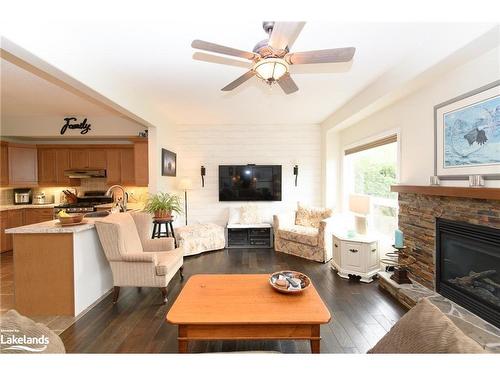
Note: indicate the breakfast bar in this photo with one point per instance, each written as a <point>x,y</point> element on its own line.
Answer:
<point>58,270</point>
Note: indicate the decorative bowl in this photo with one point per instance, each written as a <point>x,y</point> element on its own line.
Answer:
<point>71,219</point>
<point>283,287</point>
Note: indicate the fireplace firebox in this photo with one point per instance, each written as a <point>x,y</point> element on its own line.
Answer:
<point>468,267</point>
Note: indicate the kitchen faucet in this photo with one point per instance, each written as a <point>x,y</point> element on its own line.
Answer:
<point>123,204</point>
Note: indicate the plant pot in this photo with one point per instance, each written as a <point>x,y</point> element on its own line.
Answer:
<point>166,215</point>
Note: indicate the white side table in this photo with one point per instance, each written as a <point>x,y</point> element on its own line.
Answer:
<point>358,255</point>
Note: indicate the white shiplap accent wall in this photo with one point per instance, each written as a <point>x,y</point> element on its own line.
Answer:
<point>214,145</point>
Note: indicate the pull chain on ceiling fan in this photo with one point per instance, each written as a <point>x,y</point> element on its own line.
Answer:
<point>271,58</point>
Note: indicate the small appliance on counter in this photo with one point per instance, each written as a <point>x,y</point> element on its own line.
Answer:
<point>22,196</point>
<point>39,198</point>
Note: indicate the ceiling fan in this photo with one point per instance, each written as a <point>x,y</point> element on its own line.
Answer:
<point>271,58</point>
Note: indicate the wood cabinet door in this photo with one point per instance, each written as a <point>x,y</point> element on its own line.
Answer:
<point>23,165</point>
<point>79,158</point>
<point>4,238</point>
<point>15,218</point>
<point>38,215</point>
<point>141,163</point>
<point>113,166</point>
<point>47,171</point>
<point>373,257</point>
<point>336,250</point>
<point>62,163</point>
<point>97,158</point>
<point>351,255</point>
<point>4,166</point>
<point>127,166</point>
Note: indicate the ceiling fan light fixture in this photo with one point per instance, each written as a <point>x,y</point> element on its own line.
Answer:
<point>271,69</point>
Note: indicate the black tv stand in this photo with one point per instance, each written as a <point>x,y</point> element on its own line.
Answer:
<point>239,236</point>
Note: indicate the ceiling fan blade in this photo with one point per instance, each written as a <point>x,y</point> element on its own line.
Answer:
<point>333,55</point>
<point>238,81</point>
<point>212,47</point>
<point>287,84</point>
<point>284,34</point>
<point>207,57</point>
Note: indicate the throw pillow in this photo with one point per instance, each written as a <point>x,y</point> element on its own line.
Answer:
<point>234,215</point>
<point>249,214</point>
<point>311,216</point>
<point>425,329</point>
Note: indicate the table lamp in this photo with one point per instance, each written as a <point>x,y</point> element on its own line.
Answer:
<point>185,184</point>
<point>360,205</point>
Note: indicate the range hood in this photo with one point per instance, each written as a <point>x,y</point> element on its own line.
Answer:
<point>85,173</point>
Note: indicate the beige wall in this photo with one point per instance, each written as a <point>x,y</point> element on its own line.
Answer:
<point>413,116</point>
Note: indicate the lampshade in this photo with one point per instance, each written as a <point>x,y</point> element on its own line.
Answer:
<point>185,184</point>
<point>359,204</point>
<point>271,69</point>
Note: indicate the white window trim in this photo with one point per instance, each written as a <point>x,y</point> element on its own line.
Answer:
<point>372,138</point>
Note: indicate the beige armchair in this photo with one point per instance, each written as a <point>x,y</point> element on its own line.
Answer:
<point>306,233</point>
<point>135,259</point>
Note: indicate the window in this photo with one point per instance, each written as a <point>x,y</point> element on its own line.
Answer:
<point>371,169</point>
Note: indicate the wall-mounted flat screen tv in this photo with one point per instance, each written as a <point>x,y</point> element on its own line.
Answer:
<point>250,182</point>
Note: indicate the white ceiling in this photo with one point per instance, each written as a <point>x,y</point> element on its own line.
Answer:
<point>147,65</point>
<point>25,94</point>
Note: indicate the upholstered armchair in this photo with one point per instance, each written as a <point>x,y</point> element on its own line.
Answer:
<point>135,259</point>
<point>306,233</point>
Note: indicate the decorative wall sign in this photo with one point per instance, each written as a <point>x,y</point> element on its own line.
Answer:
<point>467,135</point>
<point>69,123</point>
<point>168,163</point>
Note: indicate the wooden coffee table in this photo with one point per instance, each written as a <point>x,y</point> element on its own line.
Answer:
<point>245,307</point>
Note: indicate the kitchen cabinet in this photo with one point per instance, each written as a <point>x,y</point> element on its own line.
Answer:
<point>15,218</point>
<point>62,164</point>
<point>127,166</point>
<point>4,160</point>
<point>79,158</point>
<point>358,256</point>
<point>4,246</point>
<point>113,167</point>
<point>30,165</point>
<point>19,217</point>
<point>23,164</point>
<point>97,158</point>
<point>141,162</point>
<point>37,215</point>
<point>47,166</point>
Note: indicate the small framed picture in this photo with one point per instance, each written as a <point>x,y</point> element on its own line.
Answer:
<point>467,135</point>
<point>168,163</point>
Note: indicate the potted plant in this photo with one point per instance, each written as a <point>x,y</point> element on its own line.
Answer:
<point>162,205</point>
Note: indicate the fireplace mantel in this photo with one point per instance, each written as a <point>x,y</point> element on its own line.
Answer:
<point>449,191</point>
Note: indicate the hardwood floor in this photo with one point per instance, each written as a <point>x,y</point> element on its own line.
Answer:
<point>361,313</point>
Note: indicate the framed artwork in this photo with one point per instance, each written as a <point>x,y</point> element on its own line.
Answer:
<point>467,135</point>
<point>168,163</point>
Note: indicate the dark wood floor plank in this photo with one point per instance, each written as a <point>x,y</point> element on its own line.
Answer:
<point>361,313</point>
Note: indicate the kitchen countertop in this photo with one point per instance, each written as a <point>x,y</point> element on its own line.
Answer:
<point>20,206</point>
<point>52,226</point>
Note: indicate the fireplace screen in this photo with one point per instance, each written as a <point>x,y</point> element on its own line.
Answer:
<point>468,267</point>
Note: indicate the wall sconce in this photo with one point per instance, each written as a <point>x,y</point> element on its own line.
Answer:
<point>203,174</point>
<point>296,173</point>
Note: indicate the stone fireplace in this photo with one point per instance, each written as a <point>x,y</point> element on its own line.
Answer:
<point>452,238</point>
<point>468,267</point>
<point>418,214</point>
